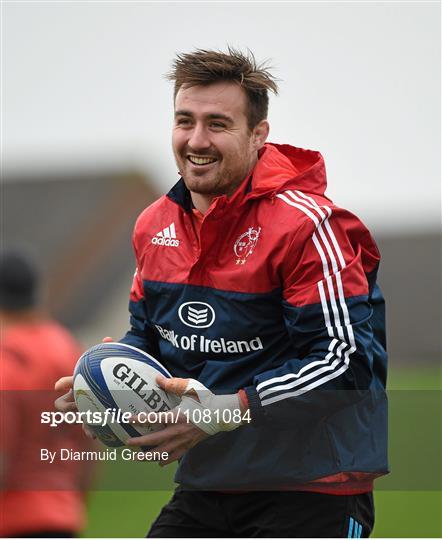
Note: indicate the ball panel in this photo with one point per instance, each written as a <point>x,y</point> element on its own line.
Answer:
<point>132,384</point>
<point>86,400</point>
<point>119,376</point>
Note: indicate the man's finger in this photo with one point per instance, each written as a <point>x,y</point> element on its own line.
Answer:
<point>154,439</point>
<point>65,383</point>
<point>164,418</point>
<point>142,419</point>
<point>107,339</point>
<point>171,447</point>
<point>66,403</point>
<point>89,433</point>
<point>174,385</point>
<point>174,456</point>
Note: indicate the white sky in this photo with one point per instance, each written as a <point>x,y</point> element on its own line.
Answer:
<point>83,86</point>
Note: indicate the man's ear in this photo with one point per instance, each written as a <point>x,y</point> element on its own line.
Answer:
<point>260,134</point>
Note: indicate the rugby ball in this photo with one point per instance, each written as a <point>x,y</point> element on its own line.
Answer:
<point>119,377</point>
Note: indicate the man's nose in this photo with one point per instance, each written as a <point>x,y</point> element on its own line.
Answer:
<point>199,139</point>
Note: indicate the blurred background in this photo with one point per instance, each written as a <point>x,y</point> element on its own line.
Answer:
<point>86,126</point>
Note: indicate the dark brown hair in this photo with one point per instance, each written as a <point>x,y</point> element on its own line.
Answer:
<point>203,67</point>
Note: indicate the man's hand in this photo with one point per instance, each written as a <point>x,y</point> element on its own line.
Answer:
<point>66,402</point>
<point>210,412</point>
<point>180,434</point>
<point>175,439</point>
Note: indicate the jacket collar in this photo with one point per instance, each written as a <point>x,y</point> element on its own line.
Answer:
<point>278,168</point>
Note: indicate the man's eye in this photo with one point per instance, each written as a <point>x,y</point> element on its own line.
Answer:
<point>217,125</point>
<point>183,122</point>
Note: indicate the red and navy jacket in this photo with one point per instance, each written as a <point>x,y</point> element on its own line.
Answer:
<point>276,295</point>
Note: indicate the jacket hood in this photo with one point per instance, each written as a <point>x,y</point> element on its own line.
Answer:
<point>281,167</point>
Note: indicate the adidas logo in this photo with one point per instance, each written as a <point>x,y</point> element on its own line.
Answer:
<point>166,237</point>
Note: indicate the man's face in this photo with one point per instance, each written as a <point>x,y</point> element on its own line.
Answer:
<point>213,146</point>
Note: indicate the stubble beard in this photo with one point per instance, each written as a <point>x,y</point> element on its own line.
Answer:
<point>224,182</point>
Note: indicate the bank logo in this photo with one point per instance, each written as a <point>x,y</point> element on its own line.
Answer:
<point>199,342</point>
<point>166,237</point>
<point>245,244</point>
<point>196,314</point>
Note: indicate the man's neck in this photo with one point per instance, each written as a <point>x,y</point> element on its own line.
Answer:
<point>201,201</point>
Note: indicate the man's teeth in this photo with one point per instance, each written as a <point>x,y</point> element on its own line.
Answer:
<point>201,160</point>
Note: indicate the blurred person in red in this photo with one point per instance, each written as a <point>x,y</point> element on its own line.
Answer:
<point>38,498</point>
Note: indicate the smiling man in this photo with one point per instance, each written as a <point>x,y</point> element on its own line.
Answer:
<point>215,146</point>
<point>259,295</point>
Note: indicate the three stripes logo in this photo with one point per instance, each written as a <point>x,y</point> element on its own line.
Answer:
<point>166,237</point>
<point>196,314</point>
<point>354,529</point>
<point>341,344</point>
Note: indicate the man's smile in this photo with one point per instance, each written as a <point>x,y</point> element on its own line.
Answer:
<point>201,160</point>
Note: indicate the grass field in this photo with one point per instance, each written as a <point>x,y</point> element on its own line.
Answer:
<point>416,463</point>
